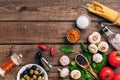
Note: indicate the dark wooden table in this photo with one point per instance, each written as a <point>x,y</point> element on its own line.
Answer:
<point>26,23</point>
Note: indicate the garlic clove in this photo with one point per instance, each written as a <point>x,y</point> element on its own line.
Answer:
<point>75,74</point>
<point>94,37</point>
<point>97,58</point>
<point>93,48</point>
<point>103,46</point>
<point>64,72</point>
<point>64,60</point>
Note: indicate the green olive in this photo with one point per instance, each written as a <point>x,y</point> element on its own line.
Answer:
<point>31,79</point>
<point>34,76</point>
<point>27,78</point>
<point>25,75</point>
<point>39,78</point>
<point>43,78</point>
<point>36,72</point>
<point>22,79</point>
<point>31,71</point>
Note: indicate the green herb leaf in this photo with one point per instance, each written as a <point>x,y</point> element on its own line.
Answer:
<point>85,52</point>
<point>66,49</point>
<point>85,74</point>
<point>98,66</point>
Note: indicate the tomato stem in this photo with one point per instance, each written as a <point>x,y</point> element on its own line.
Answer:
<point>118,53</point>
<point>107,77</point>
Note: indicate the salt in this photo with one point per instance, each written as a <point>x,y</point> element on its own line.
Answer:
<point>83,21</point>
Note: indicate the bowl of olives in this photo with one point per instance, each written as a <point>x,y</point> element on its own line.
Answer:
<point>32,72</point>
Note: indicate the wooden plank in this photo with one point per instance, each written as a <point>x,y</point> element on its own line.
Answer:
<point>42,32</point>
<point>29,52</point>
<point>47,10</point>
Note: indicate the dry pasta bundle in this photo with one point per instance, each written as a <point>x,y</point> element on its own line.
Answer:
<point>104,12</point>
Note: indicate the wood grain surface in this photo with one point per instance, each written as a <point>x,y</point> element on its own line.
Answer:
<point>26,23</point>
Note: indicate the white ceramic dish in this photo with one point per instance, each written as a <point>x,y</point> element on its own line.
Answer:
<point>28,66</point>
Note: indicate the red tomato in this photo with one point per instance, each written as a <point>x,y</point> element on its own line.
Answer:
<point>114,58</point>
<point>106,73</point>
<point>117,76</point>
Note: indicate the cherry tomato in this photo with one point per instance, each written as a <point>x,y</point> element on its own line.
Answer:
<point>106,73</point>
<point>114,58</point>
<point>42,46</point>
<point>117,76</point>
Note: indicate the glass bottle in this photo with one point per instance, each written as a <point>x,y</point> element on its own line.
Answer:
<point>11,62</point>
<point>114,39</point>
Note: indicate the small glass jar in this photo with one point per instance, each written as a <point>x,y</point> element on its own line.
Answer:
<point>83,21</point>
<point>11,62</point>
<point>114,39</point>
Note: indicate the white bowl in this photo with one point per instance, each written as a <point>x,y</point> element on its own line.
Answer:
<point>28,66</point>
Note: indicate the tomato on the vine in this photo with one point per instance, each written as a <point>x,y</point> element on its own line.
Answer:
<point>117,76</point>
<point>114,58</point>
<point>106,73</point>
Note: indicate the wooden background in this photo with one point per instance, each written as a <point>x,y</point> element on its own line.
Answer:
<point>25,23</point>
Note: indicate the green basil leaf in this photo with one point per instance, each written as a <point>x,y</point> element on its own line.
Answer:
<point>85,74</point>
<point>85,52</point>
<point>98,66</point>
<point>66,49</point>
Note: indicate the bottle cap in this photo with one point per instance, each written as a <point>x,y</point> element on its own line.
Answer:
<point>17,58</point>
<point>2,73</point>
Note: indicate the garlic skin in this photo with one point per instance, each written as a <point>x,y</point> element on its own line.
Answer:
<point>64,60</point>
<point>97,58</point>
<point>103,46</point>
<point>94,37</point>
<point>64,72</point>
<point>93,48</point>
<point>75,74</point>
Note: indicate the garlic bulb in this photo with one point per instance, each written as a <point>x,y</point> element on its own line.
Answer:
<point>64,60</point>
<point>75,74</point>
<point>103,46</point>
<point>97,58</point>
<point>64,72</point>
<point>94,37</point>
<point>93,48</point>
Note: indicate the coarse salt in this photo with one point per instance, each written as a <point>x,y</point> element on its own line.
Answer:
<point>83,21</point>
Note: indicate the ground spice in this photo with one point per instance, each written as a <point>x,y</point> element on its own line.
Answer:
<point>73,35</point>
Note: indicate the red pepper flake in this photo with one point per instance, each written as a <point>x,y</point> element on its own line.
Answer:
<point>52,51</point>
<point>42,46</point>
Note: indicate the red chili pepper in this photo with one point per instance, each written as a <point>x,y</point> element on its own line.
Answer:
<point>52,52</point>
<point>42,46</point>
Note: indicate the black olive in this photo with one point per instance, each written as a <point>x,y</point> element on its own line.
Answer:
<point>28,69</point>
<point>41,74</point>
<point>25,72</point>
<point>21,75</point>
<point>34,67</point>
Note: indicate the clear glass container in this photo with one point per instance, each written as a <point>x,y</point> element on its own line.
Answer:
<point>11,62</point>
<point>114,39</point>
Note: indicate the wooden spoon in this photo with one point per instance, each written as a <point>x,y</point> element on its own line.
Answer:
<point>83,62</point>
